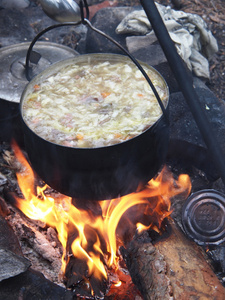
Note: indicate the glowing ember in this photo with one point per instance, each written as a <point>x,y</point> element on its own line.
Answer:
<point>95,237</point>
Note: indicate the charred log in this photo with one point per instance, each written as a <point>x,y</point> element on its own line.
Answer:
<point>78,279</point>
<point>147,268</point>
<point>90,287</point>
<point>172,266</point>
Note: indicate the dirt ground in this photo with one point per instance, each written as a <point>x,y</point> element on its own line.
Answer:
<point>213,13</point>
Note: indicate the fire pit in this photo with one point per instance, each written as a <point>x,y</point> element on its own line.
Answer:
<point>147,208</point>
<point>156,257</point>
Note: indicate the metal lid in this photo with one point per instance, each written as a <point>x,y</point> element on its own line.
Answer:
<point>12,65</point>
<point>203,217</point>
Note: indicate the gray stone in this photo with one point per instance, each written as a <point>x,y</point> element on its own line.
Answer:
<point>14,4</point>
<point>13,28</point>
<point>199,83</point>
<point>18,27</point>
<point>142,48</point>
<point>186,141</point>
<point>107,20</point>
<point>182,123</point>
<point>33,285</point>
<point>12,264</point>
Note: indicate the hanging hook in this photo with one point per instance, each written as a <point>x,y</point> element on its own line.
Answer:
<point>83,5</point>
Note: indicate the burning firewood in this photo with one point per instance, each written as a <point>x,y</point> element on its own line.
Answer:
<point>85,285</point>
<point>171,267</point>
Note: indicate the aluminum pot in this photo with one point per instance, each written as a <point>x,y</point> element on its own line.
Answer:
<point>96,173</point>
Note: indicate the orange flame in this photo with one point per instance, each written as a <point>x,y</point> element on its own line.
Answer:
<point>93,233</point>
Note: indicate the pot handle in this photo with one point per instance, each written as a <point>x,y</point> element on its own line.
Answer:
<point>83,4</point>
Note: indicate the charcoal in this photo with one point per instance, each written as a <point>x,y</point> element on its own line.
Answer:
<point>4,210</point>
<point>12,264</point>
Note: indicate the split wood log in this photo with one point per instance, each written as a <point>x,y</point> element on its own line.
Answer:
<point>173,267</point>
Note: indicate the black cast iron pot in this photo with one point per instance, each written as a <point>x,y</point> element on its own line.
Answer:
<point>96,173</point>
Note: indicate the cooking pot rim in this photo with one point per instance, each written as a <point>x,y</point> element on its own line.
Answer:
<point>58,65</point>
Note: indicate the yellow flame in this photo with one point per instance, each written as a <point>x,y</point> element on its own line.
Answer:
<point>118,284</point>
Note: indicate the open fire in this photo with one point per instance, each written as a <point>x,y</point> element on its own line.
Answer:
<point>93,236</point>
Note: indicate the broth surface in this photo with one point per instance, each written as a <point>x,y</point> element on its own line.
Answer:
<point>94,104</point>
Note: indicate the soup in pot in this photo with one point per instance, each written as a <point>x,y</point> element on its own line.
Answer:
<point>94,103</point>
